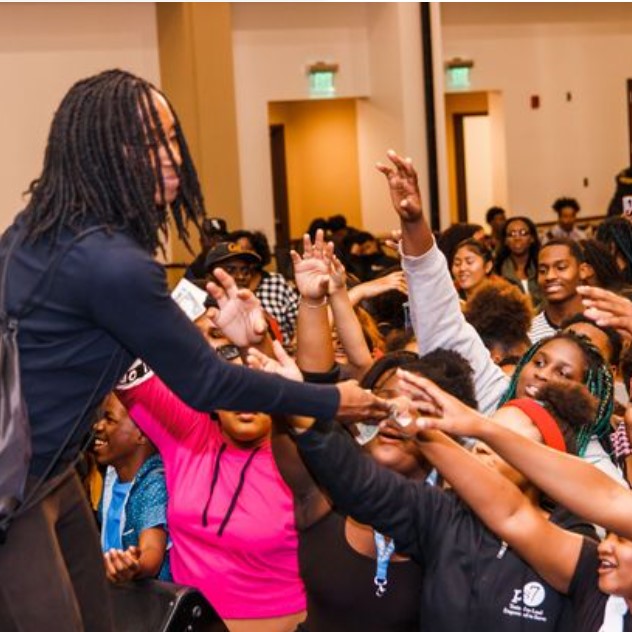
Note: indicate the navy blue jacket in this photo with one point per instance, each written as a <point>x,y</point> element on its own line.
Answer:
<point>105,303</point>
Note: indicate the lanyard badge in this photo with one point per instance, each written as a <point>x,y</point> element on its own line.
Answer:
<point>384,552</point>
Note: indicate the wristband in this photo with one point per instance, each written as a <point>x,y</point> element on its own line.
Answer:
<point>312,305</point>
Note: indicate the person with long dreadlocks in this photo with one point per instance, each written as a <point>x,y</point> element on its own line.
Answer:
<point>89,298</point>
<point>439,323</point>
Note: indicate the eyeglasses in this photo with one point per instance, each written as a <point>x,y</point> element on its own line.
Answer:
<point>228,352</point>
<point>237,270</point>
<point>518,232</point>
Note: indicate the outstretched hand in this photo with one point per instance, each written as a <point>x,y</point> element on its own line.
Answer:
<point>439,410</point>
<point>311,271</point>
<point>282,364</point>
<point>375,287</point>
<point>404,188</point>
<point>239,313</point>
<point>358,404</point>
<point>607,309</point>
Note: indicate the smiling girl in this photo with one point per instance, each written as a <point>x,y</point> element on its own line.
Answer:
<point>471,266</point>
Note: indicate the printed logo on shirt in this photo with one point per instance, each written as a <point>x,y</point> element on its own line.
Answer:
<point>525,601</point>
<point>138,373</point>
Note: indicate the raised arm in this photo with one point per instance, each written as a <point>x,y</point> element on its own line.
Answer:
<point>402,182</point>
<point>314,350</point>
<point>364,490</point>
<point>155,409</point>
<point>575,484</point>
<point>321,278</point>
<point>348,326</point>
<point>434,303</point>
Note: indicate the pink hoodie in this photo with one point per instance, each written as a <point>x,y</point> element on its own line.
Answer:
<point>250,570</point>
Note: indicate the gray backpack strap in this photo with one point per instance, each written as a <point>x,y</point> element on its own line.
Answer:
<point>4,271</point>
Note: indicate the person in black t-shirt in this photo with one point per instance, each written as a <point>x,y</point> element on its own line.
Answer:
<point>597,578</point>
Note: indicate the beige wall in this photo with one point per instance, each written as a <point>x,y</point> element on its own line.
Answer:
<point>549,49</point>
<point>273,43</point>
<point>44,49</point>
<point>377,46</point>
<point>322,181</point>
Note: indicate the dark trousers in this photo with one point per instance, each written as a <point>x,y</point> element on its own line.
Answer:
<point>51,567</point>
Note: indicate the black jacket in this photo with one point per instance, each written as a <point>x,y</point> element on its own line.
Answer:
<point>472,583</point>
<point>105,300</point>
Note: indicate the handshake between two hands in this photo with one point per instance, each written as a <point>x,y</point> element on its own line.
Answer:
<point>421,406</point>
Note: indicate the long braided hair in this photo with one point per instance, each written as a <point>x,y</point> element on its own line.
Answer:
<point>602,261</point>
<point>102,165</point>
<point>598,381</point>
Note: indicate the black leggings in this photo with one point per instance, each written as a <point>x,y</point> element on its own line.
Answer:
<point>51,567</point>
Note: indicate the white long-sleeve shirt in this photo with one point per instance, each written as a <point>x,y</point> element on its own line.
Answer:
<point>438,322</point>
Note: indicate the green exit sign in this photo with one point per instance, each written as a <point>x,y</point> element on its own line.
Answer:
<point>457,71</point>
<point>321,84</point>
<point>321,80</point>
<point>458,78</point>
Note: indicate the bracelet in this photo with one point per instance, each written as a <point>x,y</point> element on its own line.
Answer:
<point>620,442</point>
<point>312,305</point>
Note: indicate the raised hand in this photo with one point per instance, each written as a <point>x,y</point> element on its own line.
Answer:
<point>283,365</point>
<point>311,271</point>
<point>337,275</point>
<point>607,309</point>
<point>393,241</point>
<point>239,314</point>
<point>402,181</point>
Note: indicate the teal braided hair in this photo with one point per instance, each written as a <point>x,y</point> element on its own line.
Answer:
<point>597,379</point>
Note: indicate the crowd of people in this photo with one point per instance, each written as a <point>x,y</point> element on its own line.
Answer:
<point>429,432</point>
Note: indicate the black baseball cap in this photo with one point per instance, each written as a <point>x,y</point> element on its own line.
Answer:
<point>224,251</point>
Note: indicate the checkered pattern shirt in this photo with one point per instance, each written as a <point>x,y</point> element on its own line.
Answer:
<point>280,300</point>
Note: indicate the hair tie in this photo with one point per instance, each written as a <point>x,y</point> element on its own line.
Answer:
<point>543,420</point>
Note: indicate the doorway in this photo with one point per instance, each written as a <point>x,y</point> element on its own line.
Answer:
<point>279,186</point>
<point>475,134</point>
<point>314,154</point>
